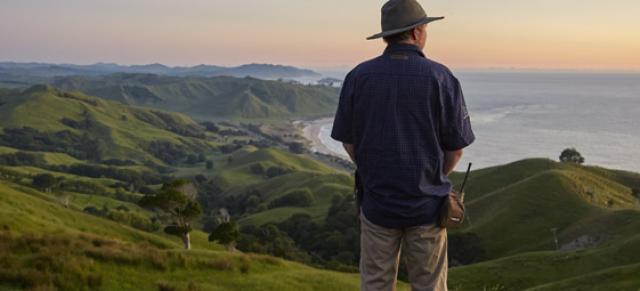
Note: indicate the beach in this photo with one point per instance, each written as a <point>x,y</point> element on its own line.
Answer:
<point>318,132</point>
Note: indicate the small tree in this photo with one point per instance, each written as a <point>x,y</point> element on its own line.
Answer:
<point>209,164</point>
<point>298,198</point>
<point>296,147</point>
<point>275,171</point>
<point>44,182</point>
<point>227,234</point>
<point>178,200</point>
<point>571,155</point>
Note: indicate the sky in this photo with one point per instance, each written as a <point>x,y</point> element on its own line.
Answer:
<point>521,34</point>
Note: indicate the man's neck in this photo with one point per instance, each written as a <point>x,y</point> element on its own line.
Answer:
<point>408,42</point>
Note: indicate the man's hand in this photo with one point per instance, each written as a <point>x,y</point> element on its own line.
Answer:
<point>451,159</point>
<point>350,150</point>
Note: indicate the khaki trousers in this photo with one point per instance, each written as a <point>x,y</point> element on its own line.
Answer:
<point>425,250</point>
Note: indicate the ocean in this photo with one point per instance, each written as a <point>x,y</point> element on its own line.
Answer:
<point>519,115</point>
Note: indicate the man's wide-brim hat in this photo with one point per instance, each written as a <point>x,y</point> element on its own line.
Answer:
<point>401,15</point>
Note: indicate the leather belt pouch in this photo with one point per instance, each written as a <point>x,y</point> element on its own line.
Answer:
<point>452,211</point>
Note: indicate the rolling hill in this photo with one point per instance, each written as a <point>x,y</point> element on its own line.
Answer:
<point>209,98</point>
<point>514,211</point>
<point>541,195</point>
<point>246,173</point>
<point>47,246</point>
<point>46,119</point>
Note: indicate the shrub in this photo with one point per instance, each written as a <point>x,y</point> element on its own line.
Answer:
<point>192,286</point>
<point>210,126</point>
<point>300,198</point>
<point>94,281</point>
<point>276,171</point>
<point>296,147</point>
<point>22,159</point>
<point>257,169</point>
<point>226,233</point>
<point>163,286</point>
<point>83,147</point>
<point>245,265</point>
<point>44,181</point>
<point>229,148</point>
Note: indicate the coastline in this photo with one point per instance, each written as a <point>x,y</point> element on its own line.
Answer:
<point>489,151</point>
<point>312,131</point>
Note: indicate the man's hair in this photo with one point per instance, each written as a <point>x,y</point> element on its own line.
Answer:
<point>398,37</point>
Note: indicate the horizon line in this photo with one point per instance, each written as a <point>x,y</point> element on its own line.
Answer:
<point>345,67</point>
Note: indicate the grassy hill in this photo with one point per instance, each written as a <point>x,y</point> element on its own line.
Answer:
<point>116,131</point>
<point>246,171</point>
<point>528,198</point>
<point>44,244</point>
<point>514,210</point>
<point>207,98</point>
<point>609,267</point>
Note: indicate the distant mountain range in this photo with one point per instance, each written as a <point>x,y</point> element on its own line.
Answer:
<point>19,74</point>
<point>204,91</point>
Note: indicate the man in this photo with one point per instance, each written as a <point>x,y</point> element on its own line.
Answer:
<point>402,118</point>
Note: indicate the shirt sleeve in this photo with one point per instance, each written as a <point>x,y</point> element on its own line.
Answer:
<point>343,122</point>
<point>455,131</point>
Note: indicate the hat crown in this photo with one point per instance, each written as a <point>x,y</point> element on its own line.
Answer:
<point>401,13</point>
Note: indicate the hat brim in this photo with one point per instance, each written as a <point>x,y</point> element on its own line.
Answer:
<point>399,30</point>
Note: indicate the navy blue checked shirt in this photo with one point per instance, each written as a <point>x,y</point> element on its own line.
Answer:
<point>402,111</point>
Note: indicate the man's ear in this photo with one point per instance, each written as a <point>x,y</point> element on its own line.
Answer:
<point>415,33</point>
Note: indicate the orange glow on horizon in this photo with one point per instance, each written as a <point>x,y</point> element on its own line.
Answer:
<point>483,34</point>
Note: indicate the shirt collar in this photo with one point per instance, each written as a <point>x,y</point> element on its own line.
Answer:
<point>403,47</point>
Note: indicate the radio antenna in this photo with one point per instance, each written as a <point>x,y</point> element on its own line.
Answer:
<point>464,182</point>
<point>466,176</point>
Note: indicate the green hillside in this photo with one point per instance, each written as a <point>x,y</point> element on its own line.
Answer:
<point>247,172</point>
<point>514,210</point>
<point>207,98</point>
<point>529,198</point>
<point>44,244</point>
<point>90,128</point>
